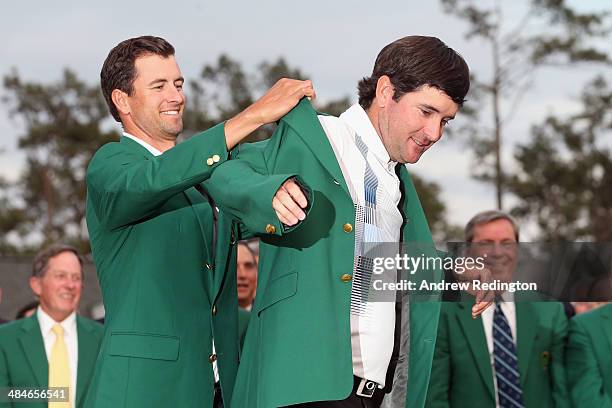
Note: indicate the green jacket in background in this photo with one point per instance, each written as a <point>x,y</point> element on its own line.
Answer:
<point>462,375</point>
<point>298,346</point>
<point>23,360</point>
<point>168,285</point>
<point>589,358</point>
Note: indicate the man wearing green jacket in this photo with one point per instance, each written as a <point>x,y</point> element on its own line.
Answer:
<point>55,347</point>
<point>589,358</point>
<point>164,255</point>
<point>314,337</point>
<point>514,355</point>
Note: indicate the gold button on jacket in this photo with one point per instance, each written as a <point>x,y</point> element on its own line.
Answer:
<point>346,277</point>
<point>216,158</point>
<point>210,161</point>
<point>212,358</point>
<point>347,227</point>
<point>270,229</point>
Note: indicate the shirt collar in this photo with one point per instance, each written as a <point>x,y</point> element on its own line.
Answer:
<point>46,322</point>
<point>357,118</point>
<point>144,144</point>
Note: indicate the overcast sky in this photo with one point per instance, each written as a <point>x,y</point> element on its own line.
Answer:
<point>335,42</point>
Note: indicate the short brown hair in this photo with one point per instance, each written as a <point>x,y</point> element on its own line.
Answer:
<point>414,61</point>
<point>41,260</point>
<point>119,70</point>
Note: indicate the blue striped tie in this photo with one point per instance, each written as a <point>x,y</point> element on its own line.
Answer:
<point>509,390</point>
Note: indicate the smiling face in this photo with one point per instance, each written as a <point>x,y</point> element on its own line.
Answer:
<point>411,125</point>
<point>496,242</point>
<point>59,287</point>
<point>154,110</point>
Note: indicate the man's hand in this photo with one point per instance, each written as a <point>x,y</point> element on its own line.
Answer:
<point>484,298</point>
<point>288,203</point>
<point>280,99</point>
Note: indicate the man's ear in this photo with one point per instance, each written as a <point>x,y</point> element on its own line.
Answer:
<point>120,99</point>
<point>384,91</point>
<point>36,285</point>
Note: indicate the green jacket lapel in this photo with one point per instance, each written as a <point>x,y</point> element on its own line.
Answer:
<point>88,353</point>
<point>34,349</point>
<point>194,197</point>
<point>476,338</point>
<point>525,335</point>
<point>303,119</point>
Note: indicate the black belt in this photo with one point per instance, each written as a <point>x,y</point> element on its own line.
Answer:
<point>367,389</point>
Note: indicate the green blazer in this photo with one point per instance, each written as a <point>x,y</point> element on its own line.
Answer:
<point>462,375</point>
<point>589,358</point>
<point>298,346</point>
<point>23,361</point>
<point>167,285</point>
<point>243,324</point>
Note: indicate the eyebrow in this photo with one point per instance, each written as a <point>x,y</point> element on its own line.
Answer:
<point>429,107</point>
<point>161,80</point>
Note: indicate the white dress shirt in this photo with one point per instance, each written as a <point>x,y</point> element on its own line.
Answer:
<point>69,325</point>
<point>509,309</point>
<point>372,322</point>
<point>144,144</point>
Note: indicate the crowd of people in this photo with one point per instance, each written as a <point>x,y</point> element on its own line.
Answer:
<point>195,317</point>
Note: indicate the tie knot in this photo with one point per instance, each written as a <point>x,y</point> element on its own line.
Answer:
<point>58,330</point>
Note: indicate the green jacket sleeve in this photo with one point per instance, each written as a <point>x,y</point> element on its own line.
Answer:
<point>244,187</point>
<point>126,186</point>
<point>583,375</point>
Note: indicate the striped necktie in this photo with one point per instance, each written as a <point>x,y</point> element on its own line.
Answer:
<point>509,392</point>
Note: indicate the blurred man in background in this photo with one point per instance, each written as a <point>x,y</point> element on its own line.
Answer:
<point>514,356</point>
<point>55,347</point>
<point>246,269</point>
<point>589,358</point>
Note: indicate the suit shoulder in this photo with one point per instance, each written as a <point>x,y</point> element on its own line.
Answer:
<point>91,325</point>
<point>590,318</point>
<point>10,330</point>
<point>113,151</point>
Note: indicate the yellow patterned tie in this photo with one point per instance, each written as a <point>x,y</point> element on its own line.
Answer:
<point>59,368</point>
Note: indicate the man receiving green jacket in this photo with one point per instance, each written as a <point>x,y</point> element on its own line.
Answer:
<point>162,251</point>
<point>314,337</point>
<point>589,358</point>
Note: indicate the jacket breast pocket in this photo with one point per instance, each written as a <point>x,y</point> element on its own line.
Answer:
<point>144,345</point>
<point>279,289</point>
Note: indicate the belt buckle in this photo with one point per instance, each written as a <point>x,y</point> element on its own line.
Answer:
<point>366,388</point>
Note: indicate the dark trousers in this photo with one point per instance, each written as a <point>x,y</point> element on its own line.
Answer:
<point>218,400</point>
<point>353,401</point>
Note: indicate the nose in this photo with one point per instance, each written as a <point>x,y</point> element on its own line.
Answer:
<point>175,95</point>
<point>433,130</point>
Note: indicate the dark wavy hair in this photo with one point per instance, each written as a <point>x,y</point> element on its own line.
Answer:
<point>119,70</point>
<point>414,61</point>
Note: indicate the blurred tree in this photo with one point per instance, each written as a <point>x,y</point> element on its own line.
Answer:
<point>224,89</point>
<point>565,177</point>
<point>435,211</point>
<point>62,123</point>
<point>550,33</point>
